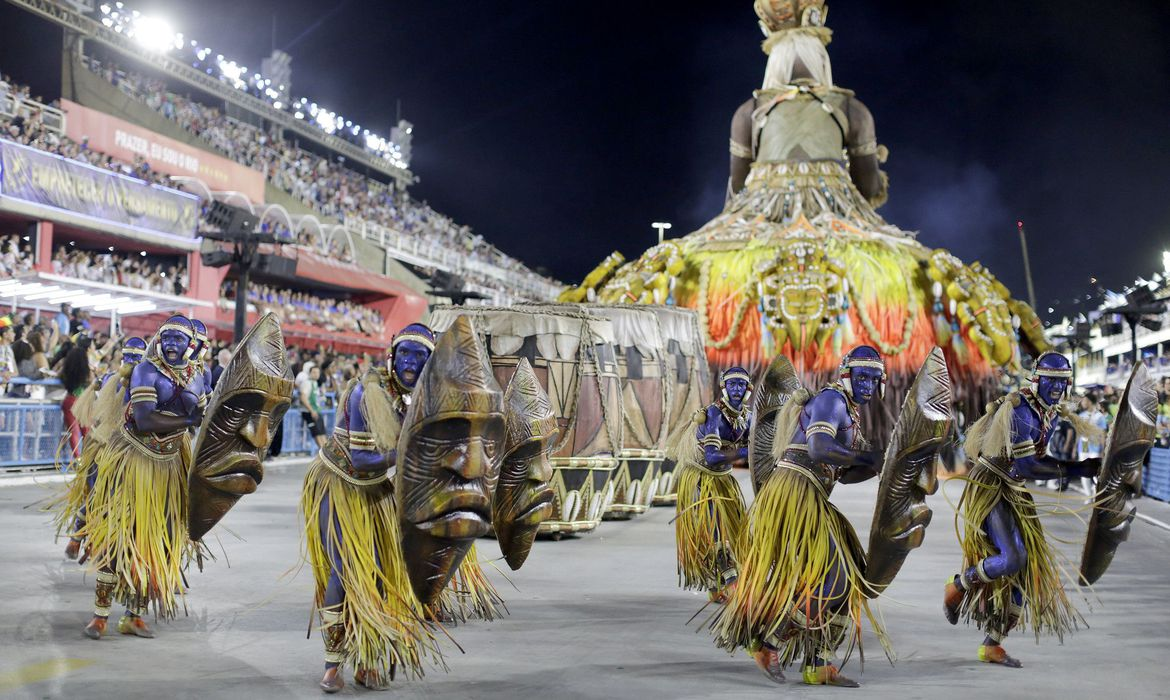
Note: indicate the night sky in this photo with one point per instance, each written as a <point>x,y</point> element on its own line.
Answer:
<point>560,130</point>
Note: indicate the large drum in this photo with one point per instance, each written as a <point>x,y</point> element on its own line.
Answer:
<point>572,354</point>
<point>646,396</point>
<point>689,382</point>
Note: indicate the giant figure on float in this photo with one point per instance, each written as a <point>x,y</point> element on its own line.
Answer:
<point>800,263</point>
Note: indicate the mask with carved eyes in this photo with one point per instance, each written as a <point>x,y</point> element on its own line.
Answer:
<point>523,498</point>
<point>252,396</point>
<point>448,459</point>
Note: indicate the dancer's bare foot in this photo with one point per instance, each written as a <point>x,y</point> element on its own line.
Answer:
<point>332,682</point>
<point>72,549</point>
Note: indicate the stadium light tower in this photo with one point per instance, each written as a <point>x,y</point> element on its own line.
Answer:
<point>237,226</point>
<point>662,226</point>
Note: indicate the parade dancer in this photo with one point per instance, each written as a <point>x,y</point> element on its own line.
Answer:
<point>370,618</point>
<point>801,588</point>
<point>77,495</point>
<point>1011,575</point>
<point>137,529</point>
<point>710,504</point>
<point>201,350</point>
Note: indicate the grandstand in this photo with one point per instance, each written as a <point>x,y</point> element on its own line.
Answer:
<point>146,103</point>
<point>111,201</point>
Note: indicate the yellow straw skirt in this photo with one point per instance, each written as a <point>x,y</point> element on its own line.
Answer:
<point>136,523</point>
<point>66,503</point>
<point>1046,607</point>
<point>470,595</point>
<point>384,621</point>
<point>710,517</point>
<point>83,408</point>
<point>794,542</point>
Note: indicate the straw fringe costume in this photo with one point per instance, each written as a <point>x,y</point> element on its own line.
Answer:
<point>1012,575</point>
<point>710,506</point>
<point>71,507</point>
<point>353,536</point>
<point>137,526</point>
<point>799,553</point>
<point>470,595</point>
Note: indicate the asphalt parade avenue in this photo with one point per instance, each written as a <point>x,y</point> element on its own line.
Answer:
<point>597,616</point>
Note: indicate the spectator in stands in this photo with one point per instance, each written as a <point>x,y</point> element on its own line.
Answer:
<point>308,394</point>
<point>79,322</point>
<point>1163,425</point>
<point>64,320</point>
<point>22,353</point>
<point>40,361</point>
<point>7,358</point>
<point>221,361</point>
<point>75,376</point>
<point>1090,411</point>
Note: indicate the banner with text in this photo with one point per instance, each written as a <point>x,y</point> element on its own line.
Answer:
<point>50,180</point>
<point>122,140</point>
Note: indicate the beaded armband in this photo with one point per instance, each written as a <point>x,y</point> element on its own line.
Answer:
<point>1023,449</point>
<point>143,394</point>
<point>359,440</point>
<point>711,440</point>
<point>821,427</point>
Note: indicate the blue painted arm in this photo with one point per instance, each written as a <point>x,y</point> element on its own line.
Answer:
<point>362,453</point>
<point>144,384</point>
<point>1027,463</point>
<point>710,439</point>
<point>828,407</point>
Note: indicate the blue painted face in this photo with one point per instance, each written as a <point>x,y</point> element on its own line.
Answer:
<point>409,358</point>
<point>129,358</point>
<point>1051,389</point>
<point>866,381</point>
<point>172,344</point>
<point>736,389</point>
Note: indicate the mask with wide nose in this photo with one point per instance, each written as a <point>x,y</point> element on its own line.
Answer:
<point>250,400</point>
<point>448,459</point>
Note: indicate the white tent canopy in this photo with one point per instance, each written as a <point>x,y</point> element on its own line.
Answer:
<point>43,291</point>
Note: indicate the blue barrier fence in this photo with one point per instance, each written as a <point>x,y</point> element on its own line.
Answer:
<point>1156,476</point>
<point>297,438</point>
<point>31,432</point>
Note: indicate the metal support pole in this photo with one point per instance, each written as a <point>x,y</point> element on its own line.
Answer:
<point>1133,320</point>
<point>241,303</point>
<point>1027,265</point>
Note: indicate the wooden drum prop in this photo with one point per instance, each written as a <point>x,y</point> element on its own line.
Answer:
<point>641,358</point>
<point>689,379</point>
<point>571,352</point>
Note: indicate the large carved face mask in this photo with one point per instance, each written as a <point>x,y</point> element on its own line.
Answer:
<point>523,497</point>
<point>448,459</point>
<point>249,402</point>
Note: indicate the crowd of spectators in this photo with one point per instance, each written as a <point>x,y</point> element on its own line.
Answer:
<point>28,127</point>
<point>331,315</point>
<point>16,256</point>
<point>325,186</point>
<point>319,183</point>
<point>109,267</point>
<point>121,269</point>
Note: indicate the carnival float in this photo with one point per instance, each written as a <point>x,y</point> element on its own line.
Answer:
<point>799,262</point>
